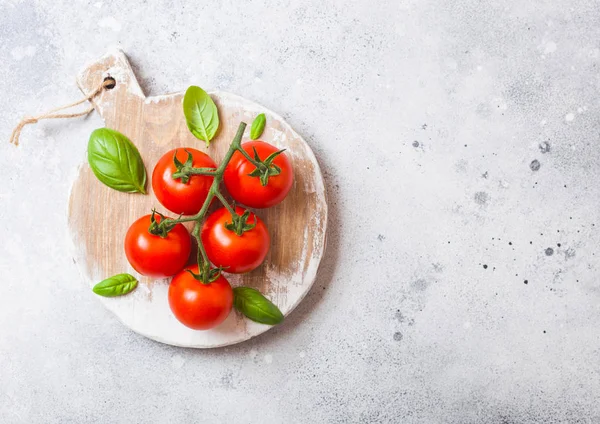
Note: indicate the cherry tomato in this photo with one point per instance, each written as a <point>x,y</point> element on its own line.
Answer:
<point>200,306</point>
<point>248,190</point>
<point>237,254</point>
<point>153,255</point>
<point>175,195</point>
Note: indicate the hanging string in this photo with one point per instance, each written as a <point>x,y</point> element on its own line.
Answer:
<point>53,114</point>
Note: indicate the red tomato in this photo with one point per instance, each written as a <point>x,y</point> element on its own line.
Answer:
<point>199,306</point>
<point>248,190</point>
<point>237,254</point>
<point>173,194</point>
<point>153,255</point>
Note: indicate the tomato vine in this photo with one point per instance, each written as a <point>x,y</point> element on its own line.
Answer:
<point>240,223</point>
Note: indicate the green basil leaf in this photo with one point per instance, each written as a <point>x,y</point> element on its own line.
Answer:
<point>255,306</point>
<point>200,113</point>
<point>117,285</point>
<point>116,162</point>
<point>258,126</point>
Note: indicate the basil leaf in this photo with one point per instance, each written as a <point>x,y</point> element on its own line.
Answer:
<point>117,285</point>
<point>200,113</point>
<point>115,161</point>
<point>258,126</point>
<point>255,306</point>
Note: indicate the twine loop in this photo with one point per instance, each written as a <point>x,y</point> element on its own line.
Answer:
<point>108,83</point>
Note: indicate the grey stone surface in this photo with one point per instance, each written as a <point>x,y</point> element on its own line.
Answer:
<point>459,141</point>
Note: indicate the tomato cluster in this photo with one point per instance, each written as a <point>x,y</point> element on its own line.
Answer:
<point>233,239</point>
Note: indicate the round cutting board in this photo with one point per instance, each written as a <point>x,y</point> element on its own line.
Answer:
<point>99,216</point>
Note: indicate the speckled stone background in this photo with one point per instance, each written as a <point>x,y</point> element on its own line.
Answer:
<point>459,141</point>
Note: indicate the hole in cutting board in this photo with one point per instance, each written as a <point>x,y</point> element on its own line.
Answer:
<point>112,82</point>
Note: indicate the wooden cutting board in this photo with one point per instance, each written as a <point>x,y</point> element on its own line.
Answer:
<point>100,216</point>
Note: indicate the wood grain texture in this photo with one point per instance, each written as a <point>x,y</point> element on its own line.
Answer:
<point>155,125</point>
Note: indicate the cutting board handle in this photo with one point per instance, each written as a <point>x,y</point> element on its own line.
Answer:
<point>127,90</point>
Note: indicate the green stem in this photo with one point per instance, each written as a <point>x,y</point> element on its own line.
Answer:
<point>185,171</point>
<point>236,144</point>
<point>203,262</point>
<point>250,158</point>
<point>225,203</point>
<point>214,191</point>
<point>180,220</point>
<point>200,171</point>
